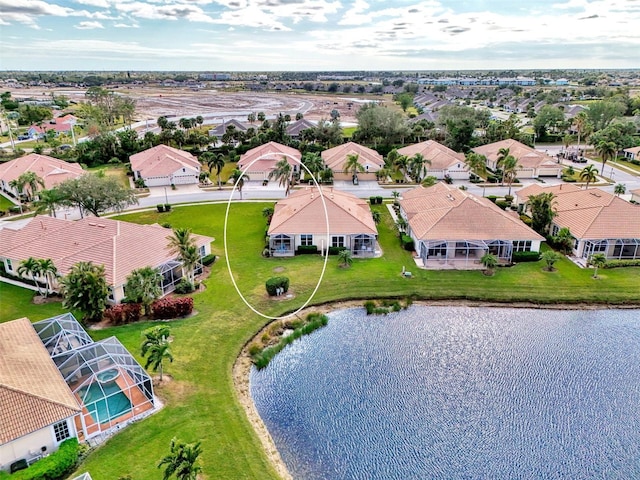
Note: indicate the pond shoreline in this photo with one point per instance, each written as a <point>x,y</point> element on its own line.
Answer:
<point>242,365</point>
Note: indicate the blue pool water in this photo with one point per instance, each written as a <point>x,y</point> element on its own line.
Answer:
<point>106,403</point>
<point>458,393</point>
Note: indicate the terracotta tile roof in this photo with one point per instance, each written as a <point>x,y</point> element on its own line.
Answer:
<point>443,212</point>
<point>336,157</point>
<point>303,212</point>
<point>535,189</point>
<point>51,170</point>
<point>635,192</point>
<point>526,156</point>
<point>593,213</point>
<point>264,157</point>
<point>441,157</point>
<point>161,161</point>
<point>634,150</point>
<point>120,246</point>
<point>33,394</point>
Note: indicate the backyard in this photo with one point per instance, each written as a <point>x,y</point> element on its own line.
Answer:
<point>200,401</point>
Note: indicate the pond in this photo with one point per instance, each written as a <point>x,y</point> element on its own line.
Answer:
<point>458,392</point>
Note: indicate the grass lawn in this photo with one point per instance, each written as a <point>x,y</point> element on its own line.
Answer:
<point>118,171</point>
<point>348,131</point>
<point>629,165</point>
<point>5,203</point>
<point>200,402</point>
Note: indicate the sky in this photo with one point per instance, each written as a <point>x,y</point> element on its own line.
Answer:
<point>318,35</point>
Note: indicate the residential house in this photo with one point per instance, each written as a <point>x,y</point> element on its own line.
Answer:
<point>51,170</point>
<point>532,163</point>
<point>221,129</point>
<point>36,406</point>
<point>442,161</point>
<point>452,228</point>
<point>632,153</point>
<point>598,221</point>
<point>295,129</point>
<point>333,219</point>
<point>260,161</point>
<point>62,124</point>
<point>165,166</point>
<point>120,246</point>
<point>635,195</point>
<point>336,159</point>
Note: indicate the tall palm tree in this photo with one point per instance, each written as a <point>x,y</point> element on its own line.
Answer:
<point>154,336</point>
<point>238,179</point>
<point>607,151</point>
<point>181,461</point>
<point>31,267</point>
<point>218,163</point>
<point>401,164</point>
<point>417,167</point>
<point>49,271</point>
<point>581,122</point>
<point>510,170</point>
<point>313,161</point>
<point>588,174</point>
<point>282,172</point>
<point>156,355</point>
<point>353,166</point>
<point>48,201</point>
<point>477,163</point>
<point>542,211</point>
<point>18,188</point>
<point>182,244</point>
<point>503,157</point>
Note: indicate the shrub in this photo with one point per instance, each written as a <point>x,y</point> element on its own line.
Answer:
<point>166,225</point>
<point>407,242</point>
<point>622,263</point>
<point>277,282</point>
<point>208,259</point>
<point>370,306</point>
<point>493,198</point>
<point>336,250</point>
<point>372,200</point>
<point>502,204</point>
<point>526,219</point>
<point>635,162</point>
<point>184,286</point>
<point>56,466</point>
<point>508,198</point>
<point>307,249</point>
<point>379,200</point>
<point>167,308</point>
<point>160,208</point>
<point>123,313</point>
<point>167,207</point>
<point>521,257</point>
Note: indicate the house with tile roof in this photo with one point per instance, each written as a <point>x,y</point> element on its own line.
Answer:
<point>295,129</point>
<point>221,129</point>
<point>452,228</point>
<point>300,220</point>
<point>63,124</point>
<point>36,406</point>
<point>598,221</point>
<point>532,163</point>
<point>635,195</point>
<point>442,161</point>
<point>259,162</point>
<point>632,153</point>
<point>51,170</point>
<point>120,246</point>
<point>336,159</point>
<point>164,166</point>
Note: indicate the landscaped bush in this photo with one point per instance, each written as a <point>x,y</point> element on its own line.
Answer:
<point>635,162</point>
<point>166,225</point>
<point>167,207</point>
<point>307,249</point>
<point>172,308</point>
<point>379,200</point>
<point>184,286</point>
<point>123,313</point>
<point>407,242</point>
<point>526,219</point>
<point>370,306</point>
<point>56,466</point>
<point>520,257</point>
<point>502,204</point>
<point>160,208</point>
<point>372,200</point>
<point>493,198</point>
<point>208,259</point>
<point>277,282</point>
<point>622,263</point>
<point>336,250</point>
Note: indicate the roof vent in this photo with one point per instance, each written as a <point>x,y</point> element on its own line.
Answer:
<point>92,224</point>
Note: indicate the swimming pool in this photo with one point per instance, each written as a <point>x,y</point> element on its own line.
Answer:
<point>104,401</point>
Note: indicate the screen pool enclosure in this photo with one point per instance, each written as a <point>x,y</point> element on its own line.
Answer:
<point>107,381</point>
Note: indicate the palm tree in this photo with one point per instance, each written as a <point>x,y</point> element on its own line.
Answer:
<point>550,258</point>
<point>564,240</point>
<point>181,461</point>
<point>504,156</point>
<point>32,180</point>
<point>85,288</point>
<point>345,258</point>
<point>313,161</point>
<point>597,260</point>
<point>218,163</point>
<point>267,212</point>
<point>477,163</point>
<point>182,244</point>
<point>620,189</point>
<point>31,267</point>
<point>251,118</point>
<point>417,167</point>
<point>48,201</point>
<point>607,151</point>
<point>401,225</point>
<point>353,166</point>
<point>401,164</point>
<point>18,188</point>
<point>156,355</point>
<point>49,271</point>
<point>154,336</point>
<point>326,175</point>
<point>510,170</point>
<point>377,216</point>
<point>542,211</point>
<point>238,179</point>
<point>490,262</point>
<point>588,174</point>
<point>143,286</point>
<point>282,173</point>
<point>581,122</point>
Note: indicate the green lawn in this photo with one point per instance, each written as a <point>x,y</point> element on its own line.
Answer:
<point>117,171</point>
<point>5,203</point>
<point>200,403</point>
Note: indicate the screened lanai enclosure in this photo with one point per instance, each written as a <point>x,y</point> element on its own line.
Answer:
<point>462,253</point>
<point>111,386</point>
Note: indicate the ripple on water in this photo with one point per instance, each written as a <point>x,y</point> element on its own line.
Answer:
<point>444,392</point>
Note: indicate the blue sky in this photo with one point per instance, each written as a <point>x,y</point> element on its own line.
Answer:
<point>236,35</point>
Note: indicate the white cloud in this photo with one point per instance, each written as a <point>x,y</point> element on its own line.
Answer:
<point>95,3</point>
<point>88,25</point>
<point>126,25</point>
<point>171,11</point>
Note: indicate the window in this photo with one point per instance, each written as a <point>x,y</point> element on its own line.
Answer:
<point>306,240</point>
<point>9,265</point>
<point>337,241</point>
<point>522,246</point>
<point>111,296</point>
<point>61,430</point>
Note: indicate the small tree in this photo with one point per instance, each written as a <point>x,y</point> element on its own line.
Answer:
<point>490,262</point>
<point>377,216</point>
<point>143,286</point>
<point>345,258</point>
<point>49,271</point>
<point>550,258</point>
<point>156,354</point>
<point>564,240</point>
<point>85,288</point>
<point>238,179</point>
<point>181,461</point>
<point>588,174</point>
<point>31,267</point>
<point>267,212</point>
<point>598,260</point>
<point>620,189</point>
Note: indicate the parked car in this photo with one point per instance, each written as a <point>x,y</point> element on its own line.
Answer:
<point>24,136</point>
<point>580,160</point>
<point>66,146</point>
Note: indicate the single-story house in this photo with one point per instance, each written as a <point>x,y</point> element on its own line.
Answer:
<point>259,162</point>
<point>295,129</point>
<point>453,228</point>
<point>533,164</point>
<point>36,406</point>
<point>336,158</point>
<point>164,166</point>
<point>598,221</point>
<point>444,161</point>
<point>120,246</point>
<point>221,129</point>
<point>635,195</point>
<point>632,153</point>
<point>63,124</point>
<point>300,220</point>
<point>51,170</point>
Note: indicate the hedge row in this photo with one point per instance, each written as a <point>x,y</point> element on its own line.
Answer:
<point>208,259</point>
<point>307,249</point>
<point>56,466</point>
<point>407,242</point>
<point>123,313</point>
<point>167,308</point>
<point>375,200</point>
<point>336,250</point>
<point>622,263</point>
<point>520,257</point>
